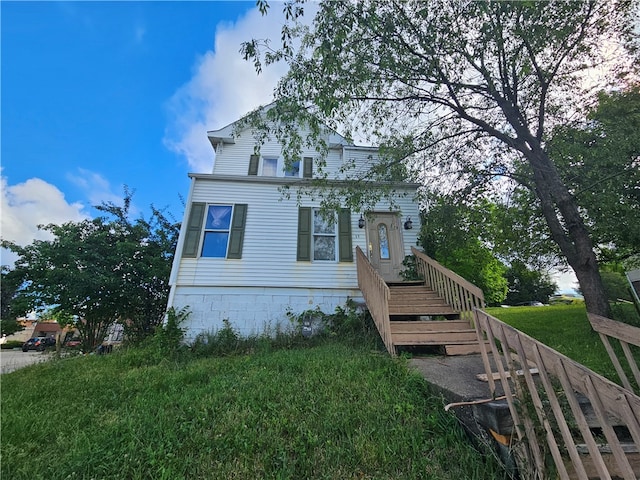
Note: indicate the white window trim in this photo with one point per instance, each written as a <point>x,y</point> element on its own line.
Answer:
<point>336,254</point>
<point>205,230</point>
<point>280,173</point>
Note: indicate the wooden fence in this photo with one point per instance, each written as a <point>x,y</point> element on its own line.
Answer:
<point>376,293</point>
<point>569,422</point>
<point>460,294</point>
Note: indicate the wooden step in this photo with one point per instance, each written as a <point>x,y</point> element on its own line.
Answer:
<point>430,326</point>
<point>426,310</point>
<point>410,290</point>
<point>416,300</point>
<point>458,337</point>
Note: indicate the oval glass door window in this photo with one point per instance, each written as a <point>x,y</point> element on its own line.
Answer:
<point>383,241</point>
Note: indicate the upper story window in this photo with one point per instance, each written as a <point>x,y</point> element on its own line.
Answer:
<point>269,167</point>
<point>294,171</point>
<point>274,167</point>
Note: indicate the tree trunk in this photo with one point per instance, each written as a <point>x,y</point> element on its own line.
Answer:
<point>568,230</point>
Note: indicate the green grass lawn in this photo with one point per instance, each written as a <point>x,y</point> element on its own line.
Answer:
<point>565,328</point>
<point>333,411</point>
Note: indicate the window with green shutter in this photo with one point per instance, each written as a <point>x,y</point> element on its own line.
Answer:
<point>221,228</point>
<point>344,235</point>
<point>307,167</point>
<point>254,161</point>
<point>236,237</point>
<point>304,234</point>
<point>318,239</point>
<point>194,230</point>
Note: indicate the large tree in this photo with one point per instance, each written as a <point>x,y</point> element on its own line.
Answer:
<point>99,271</point>
<point>599,159</point>
<point>467,89</point>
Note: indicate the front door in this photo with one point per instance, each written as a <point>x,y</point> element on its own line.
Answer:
<point>386,251</point>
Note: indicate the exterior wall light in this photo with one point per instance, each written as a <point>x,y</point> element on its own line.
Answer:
<point>408,225</point>
<point>361,222</point>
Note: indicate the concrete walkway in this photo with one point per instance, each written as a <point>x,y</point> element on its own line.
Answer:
<point>454,377</point>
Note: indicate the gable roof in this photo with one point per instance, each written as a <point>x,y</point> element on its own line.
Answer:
<point>225,135</point>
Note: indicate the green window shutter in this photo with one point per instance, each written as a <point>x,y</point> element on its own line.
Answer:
<point>344,235</point>
<point>304,234</point>
<point>307,167</point>
<point>236,236</point>
<point>253,164</point>
<point>194,230</point>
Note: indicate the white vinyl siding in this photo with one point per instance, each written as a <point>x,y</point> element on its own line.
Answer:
<point>234,159</point>
<point>270,241</point>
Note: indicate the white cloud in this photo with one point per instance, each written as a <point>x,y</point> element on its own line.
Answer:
<point>29,204</point>
<point>96,188</point>
<point>222,89</point>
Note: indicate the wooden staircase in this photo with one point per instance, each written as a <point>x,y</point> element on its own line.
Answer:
<point>435,313</point>
<point>419,317</point>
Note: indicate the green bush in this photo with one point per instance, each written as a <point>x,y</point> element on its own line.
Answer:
<point>10,344</point>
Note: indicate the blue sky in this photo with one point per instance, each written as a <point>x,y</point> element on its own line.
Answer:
<point>97,95</point>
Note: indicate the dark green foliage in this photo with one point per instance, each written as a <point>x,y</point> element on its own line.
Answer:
<point>98,271</point>
<point>169,336</point>
<point>616,286</point>
<point>599,160</point>
<point>10,326</point>
<point>409,271</point>
<point>11,306</point>
<point>11,344</point>
<point>526,285</point>
<point>349,324</point>
<point>454,234</point>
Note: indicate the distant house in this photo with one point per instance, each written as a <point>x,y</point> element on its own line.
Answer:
<point>46,329</point>
<point>248,255</point>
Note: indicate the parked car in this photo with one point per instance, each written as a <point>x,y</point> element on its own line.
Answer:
<point>566,298</point>
<point>530,304</point>
<point>38,343</point>
<point>73,343</point>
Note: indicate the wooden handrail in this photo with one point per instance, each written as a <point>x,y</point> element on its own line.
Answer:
<point>376,293</point>
<point>461,294</point>
<point>625,334</point>
<point>547,413</point>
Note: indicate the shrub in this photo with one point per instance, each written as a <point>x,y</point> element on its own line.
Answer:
<point>10,344</point>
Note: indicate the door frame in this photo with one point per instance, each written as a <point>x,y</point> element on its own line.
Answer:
<point>389,269</point>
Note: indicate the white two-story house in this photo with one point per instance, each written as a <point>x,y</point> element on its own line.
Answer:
<point>248,254</point>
